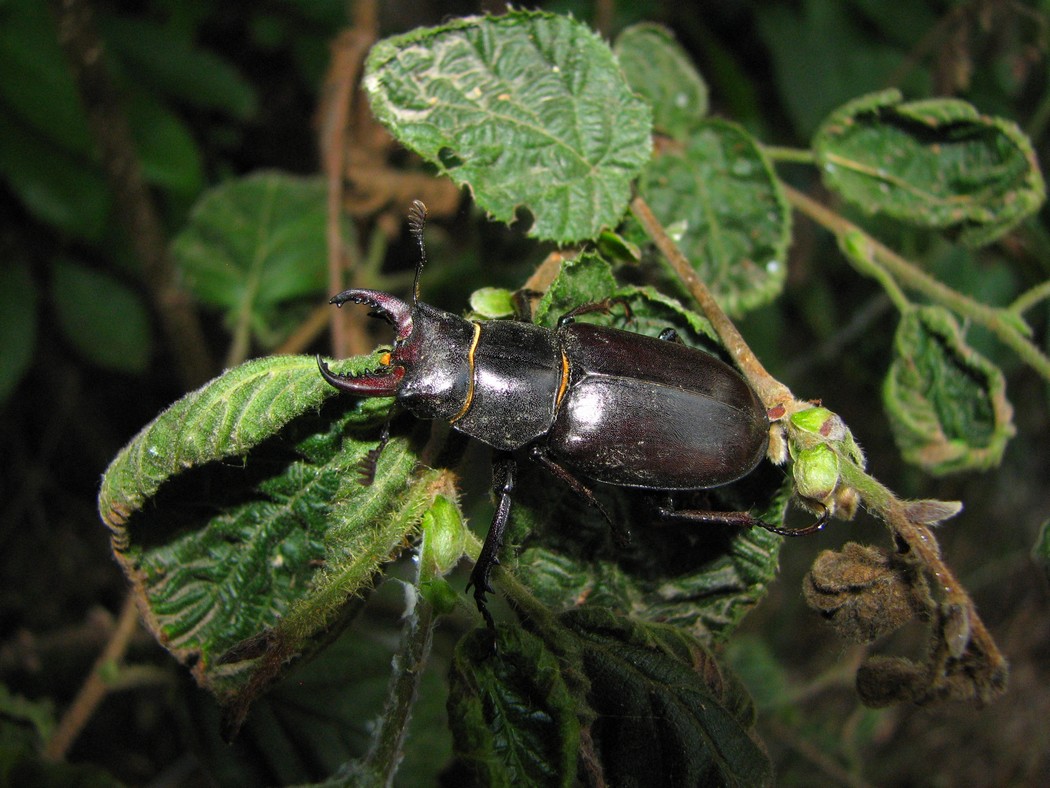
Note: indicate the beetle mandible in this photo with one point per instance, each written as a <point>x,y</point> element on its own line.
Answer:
<point>587,401</point>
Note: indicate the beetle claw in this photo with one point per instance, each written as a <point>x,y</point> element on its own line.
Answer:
<point>374,384</point>
<point>393,310</point>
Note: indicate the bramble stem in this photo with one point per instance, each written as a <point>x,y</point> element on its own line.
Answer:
<point>790,155</point>
<point>95,686</point>
<point>1004,323</point>
<point>770,390</point>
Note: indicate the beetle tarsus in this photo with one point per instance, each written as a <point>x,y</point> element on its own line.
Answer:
<point>805,531</point>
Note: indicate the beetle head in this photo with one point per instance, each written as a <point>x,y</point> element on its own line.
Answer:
<point>428,367</point>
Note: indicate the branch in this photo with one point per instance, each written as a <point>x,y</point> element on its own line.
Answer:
<point>1006,324</point>
<point>95,686</point>
<point>136,211</point>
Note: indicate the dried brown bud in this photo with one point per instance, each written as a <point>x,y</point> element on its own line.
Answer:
<point>865,592</point>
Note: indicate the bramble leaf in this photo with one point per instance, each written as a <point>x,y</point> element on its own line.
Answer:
<point>721,186</point>
<point>101,317</point>
<point>513,719</point>
<point>936,163</point>
<point>660,71</point>
<point>665,712</point>
<point>946,403</point>
<point>253,245</point>
<point>530,110</point>
<point>240,586</point>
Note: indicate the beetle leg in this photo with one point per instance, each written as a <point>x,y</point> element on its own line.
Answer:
<point>620,532</point>
<point>604,306</point>
<point>521,301</point>
<point>367,468</point>
<point>738,519</point>
<point>504,469</point>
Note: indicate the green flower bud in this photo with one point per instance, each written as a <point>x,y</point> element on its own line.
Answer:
<point>816,472</point>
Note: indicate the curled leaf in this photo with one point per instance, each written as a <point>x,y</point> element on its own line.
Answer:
<point>946,402</point>
<point>936,163</point>
<point>238,587</point>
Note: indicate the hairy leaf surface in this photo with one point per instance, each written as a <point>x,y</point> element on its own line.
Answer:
<point>530,110</point>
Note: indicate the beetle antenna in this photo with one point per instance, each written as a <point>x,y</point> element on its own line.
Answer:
<point>417,220</point>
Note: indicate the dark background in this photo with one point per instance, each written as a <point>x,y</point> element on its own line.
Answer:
<point>775,67</point>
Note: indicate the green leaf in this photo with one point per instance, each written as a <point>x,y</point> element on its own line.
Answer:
<point>530,110</point>
<point>167,60</point>
<point>514,721</point>
<point>667,713</point>
<point>660,71</point>
<point>240,585</point>
<point>936,163</point>
<point>253,245</point>
<point>737,221</point>
<point>947,403</point>
<point>56,186</point>
<point>166,148</point>
<point>589,279</point>
<point>105,320</point>
<point>18,305</point>
<point>36,86</point>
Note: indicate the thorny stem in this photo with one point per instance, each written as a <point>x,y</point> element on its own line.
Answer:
<point>878,498</point>
<point>95,687</point>
<point>1004,323</point>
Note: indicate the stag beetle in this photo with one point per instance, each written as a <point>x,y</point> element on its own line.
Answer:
<point>582,400</point>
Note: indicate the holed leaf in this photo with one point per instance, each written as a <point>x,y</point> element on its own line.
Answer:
<point>253,245</point>
<point>240,518</point>
<point>529,109</point>
<point>946,402</point>
<point>721,186</point>
<point>661,72</point>
<point>936,163</point>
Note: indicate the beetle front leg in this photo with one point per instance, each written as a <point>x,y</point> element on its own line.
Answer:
<point>504,471</point>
